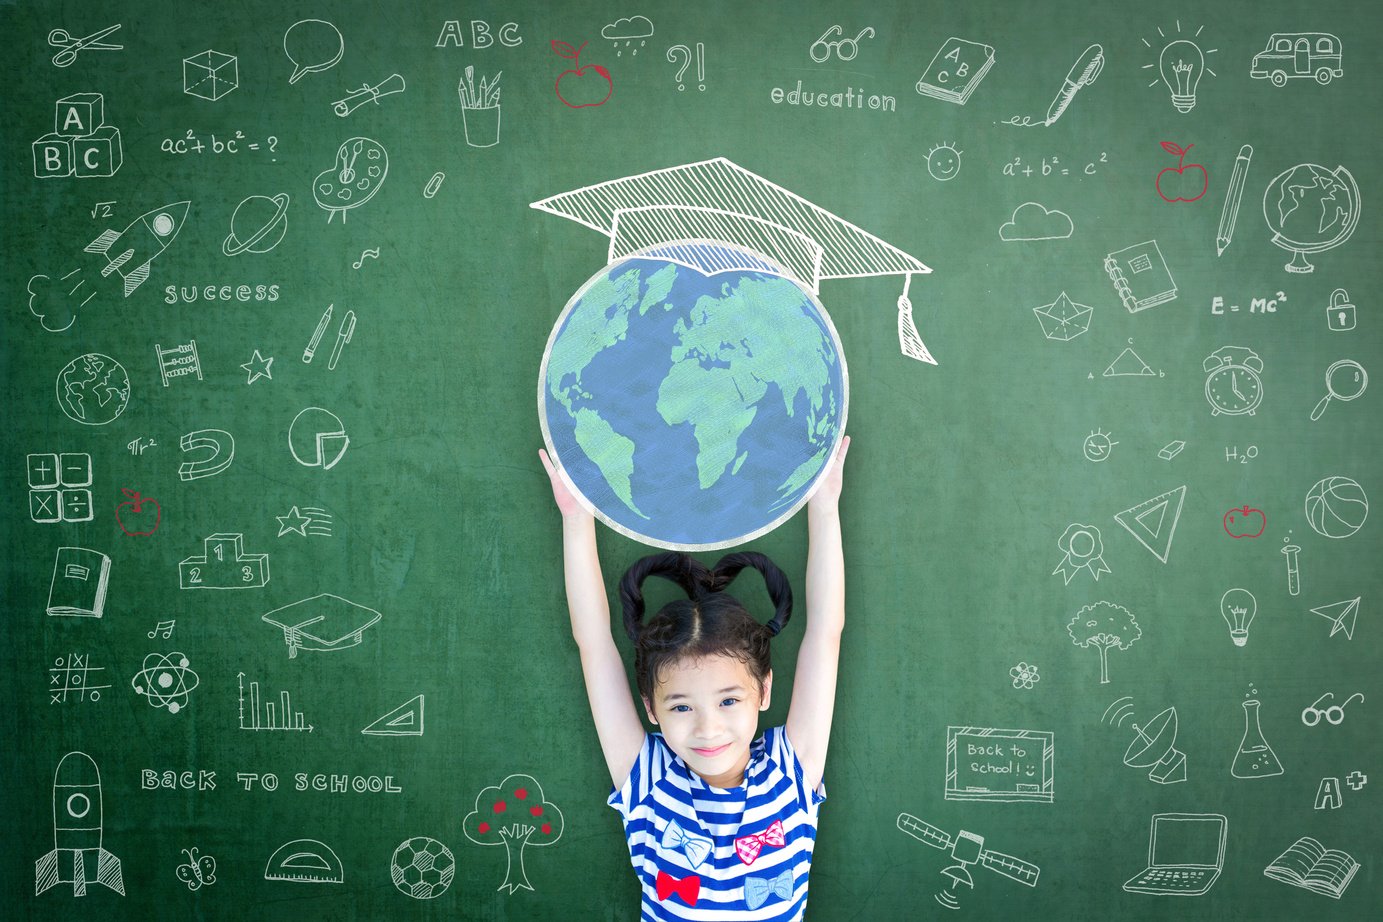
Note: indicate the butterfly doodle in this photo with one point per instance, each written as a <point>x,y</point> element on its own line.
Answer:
<point>197,871</point>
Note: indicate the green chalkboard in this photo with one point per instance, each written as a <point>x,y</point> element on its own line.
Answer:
<point>282,571</point>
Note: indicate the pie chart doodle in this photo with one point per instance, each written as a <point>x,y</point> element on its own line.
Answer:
<point>166,681</point>
<point>317,438</point>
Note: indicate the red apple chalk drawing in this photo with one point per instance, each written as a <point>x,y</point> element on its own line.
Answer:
<point>580,82</point>
<point>142,514</point>
<point>1181,170</point>
<point>1241,521</point>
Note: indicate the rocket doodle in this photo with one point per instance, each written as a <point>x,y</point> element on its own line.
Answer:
<point>78,856</point>
<point>131,250</point>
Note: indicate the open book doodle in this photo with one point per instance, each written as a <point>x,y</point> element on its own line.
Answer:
<point>1310,865</point>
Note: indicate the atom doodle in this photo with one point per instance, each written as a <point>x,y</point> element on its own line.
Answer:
<point>165,680</point>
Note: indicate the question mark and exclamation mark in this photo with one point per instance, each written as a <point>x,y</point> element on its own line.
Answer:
<point>681,54</point>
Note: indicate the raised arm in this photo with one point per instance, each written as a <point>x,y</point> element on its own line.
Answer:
<point>612,705</point>
<point>814,684</point>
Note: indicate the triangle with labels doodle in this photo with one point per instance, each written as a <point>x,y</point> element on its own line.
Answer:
<point>1154,521</point>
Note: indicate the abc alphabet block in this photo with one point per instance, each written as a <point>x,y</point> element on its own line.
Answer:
<point>52,157</point>
<point>99,153</point>
<point>79,114</point>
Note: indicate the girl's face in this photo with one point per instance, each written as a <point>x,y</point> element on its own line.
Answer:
<point>708,710</point>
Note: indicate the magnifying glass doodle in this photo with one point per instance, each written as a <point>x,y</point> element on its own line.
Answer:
<point>1344,380</point>
<point>1334,714</point>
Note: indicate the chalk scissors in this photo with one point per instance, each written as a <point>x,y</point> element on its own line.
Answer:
<point>60,38</point>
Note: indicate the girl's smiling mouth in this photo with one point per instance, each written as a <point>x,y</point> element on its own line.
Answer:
<point>710,753</point>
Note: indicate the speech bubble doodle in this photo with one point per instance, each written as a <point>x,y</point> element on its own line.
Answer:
<point>312,45</point>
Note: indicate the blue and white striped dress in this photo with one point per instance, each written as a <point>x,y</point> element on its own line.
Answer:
<point>706,853</point>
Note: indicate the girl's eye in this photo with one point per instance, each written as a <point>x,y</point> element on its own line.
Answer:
<point>681,708</point>
<point>729,702</point>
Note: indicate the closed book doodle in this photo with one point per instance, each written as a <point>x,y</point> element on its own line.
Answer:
<point>1140,275</point>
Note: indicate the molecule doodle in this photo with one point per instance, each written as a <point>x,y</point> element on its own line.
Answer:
<point>165,681</point>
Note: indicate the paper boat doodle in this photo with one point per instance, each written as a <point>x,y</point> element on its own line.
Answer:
<point>323,622</point>
<point>130,251</point>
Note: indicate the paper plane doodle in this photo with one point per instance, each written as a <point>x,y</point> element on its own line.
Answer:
<point>78,856</point>
<point>1341,616</point>
<point>323,622</point>
<point>130,251</point>
<point>1063,319</point>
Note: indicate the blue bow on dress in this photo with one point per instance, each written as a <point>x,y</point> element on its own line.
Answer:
<point>757,890</point>
<point>695,847</point>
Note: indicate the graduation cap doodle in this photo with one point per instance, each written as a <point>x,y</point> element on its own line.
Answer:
<point>672,213</point>
<point>323,622</point>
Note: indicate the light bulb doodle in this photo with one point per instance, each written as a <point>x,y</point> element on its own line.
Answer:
<point>1180,66</point>
<point>1238,607</point>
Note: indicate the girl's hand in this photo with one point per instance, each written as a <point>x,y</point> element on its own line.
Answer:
<point>828,494</point>
<point>566,503</point>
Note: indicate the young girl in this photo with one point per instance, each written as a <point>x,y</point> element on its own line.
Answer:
<point>720,825</point>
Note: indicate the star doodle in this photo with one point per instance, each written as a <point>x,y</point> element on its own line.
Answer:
<point>1024,675</point>
<point>294,521</point>
<point>258,367</point>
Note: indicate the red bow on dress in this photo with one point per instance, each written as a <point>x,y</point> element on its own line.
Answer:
<point>748,847</point>
<point>687,888</point>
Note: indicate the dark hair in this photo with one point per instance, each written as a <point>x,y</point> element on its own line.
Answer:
<point>706,623</point>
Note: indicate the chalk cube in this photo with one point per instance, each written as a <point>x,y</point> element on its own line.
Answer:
<point>76,505</point>
<point>210,75</point>
<point>79,114</point>
<point>99,153</point>
<point>45,506</point>
<point>52,156</point>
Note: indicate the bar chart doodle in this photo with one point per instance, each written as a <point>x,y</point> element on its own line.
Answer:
<point>264,716</point>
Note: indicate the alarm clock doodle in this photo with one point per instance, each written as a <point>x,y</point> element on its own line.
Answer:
<point>1233,382</point>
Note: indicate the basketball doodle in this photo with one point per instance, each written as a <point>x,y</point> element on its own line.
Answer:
<point>1336,507</point>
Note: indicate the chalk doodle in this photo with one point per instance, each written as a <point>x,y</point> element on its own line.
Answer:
<point>1233,381</point>
<point>312,46</point>
<point>480,111</point>
<point>223,564</point>
<point>1341,615</point>
<point>343,336</point>
<point>1311,866</point>
<point>317,438</point>
<point>1104,626</point>
<point>198,871</point>
<point>1154,521</point>
<point>1083,73</point>
<point>1245,522</point>
<point>1129,364</point>
<point>844,49</point>
<point>71,45</point>
<point>55,303</point>
<point>163,629</point>
<point>1254,758</point>
<point>93,389</point>
<point>1063,320</point>
<point>261,229</point>
<point>131,251</point>
<point>193,143</point>
<point>1310,209</point>
<point>266,715</point>
<point>370,253</point>
<point>59,487</point>
<point>1238,607</point>
<point>138,515</point>
<point>259,367</point>
<point>434,184</point>
<point>1344,380</point>
<point>1229,215</point>
<point>1291,553</point>
<point>1154,744</point>
<point>305,861</point>
<point>1337,507</point>
<point>80,579</point>
<point>71,677</point>
<point>1185,177</point>
<point>1180,66</point>
<point>81,144</point>
<point>966,849</point>
<point>1140,276</point>
<point>1293,55</point>
<point>1083,547</point>
<point>955,70</point>
<point>307,521</point>
<point>984,763</point>
<point>1189,859</point>
<point>178,361</point>
<point>1035,221</point>
<point>1047,167</point>
<point>532,822</point>
<point>1340,313</point>
<point>362,164</point>
<point>1024,675</point>
<point>422,868</point>
<point>79,856</point>
<point>324,622</point>
<point>165,680</point>
<point>1171,449</point>
<point>628,29</point>
<point>220,444</point>
<point>404,720</point>
<point>311,351</point>
<point>682,56</point>
<point>582,84</point>
<point>210,75</point>
<point>943,161</point>
<point>357,98</point>
<point>1333,714</point>
<point>1097,446</point>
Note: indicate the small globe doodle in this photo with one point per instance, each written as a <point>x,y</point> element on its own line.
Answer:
<point>422,868</point>
<point>93,389</point>
<point>165,681</point>
<point>1024,675</point>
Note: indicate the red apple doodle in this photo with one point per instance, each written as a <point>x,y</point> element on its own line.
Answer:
<point>141,514</point>
<point>1245,522</point>
<point>1182,170</point>
<point>580,85</point>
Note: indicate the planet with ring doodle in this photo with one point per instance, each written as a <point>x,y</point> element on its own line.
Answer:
<point>264,221</point>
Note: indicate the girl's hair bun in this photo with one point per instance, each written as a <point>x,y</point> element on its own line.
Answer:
<point>682,569</point>
<point>775,580</point>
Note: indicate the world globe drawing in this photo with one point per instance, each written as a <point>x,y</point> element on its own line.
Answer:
<point>1311,209</point>
<point>692,395</point>
<point>93,389</point>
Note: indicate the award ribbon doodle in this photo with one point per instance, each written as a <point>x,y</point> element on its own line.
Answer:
<point>1083,547</point>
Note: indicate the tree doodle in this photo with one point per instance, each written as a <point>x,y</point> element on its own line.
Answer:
<point>1104,626</point>
<point>515,815</point>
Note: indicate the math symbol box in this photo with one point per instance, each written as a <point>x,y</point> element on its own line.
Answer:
<point>76,506</point>
<point>79,114</point>
<point>52,156</point>
<point>99,153</point>
<point>210,75</point>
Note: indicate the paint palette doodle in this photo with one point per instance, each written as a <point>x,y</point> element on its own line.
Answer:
<point>360,168</point>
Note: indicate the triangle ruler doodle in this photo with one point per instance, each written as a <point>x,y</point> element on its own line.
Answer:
<point>404,720</point>
<point>1154,521</point>
<point>1342,616</point>
<point>1128,364</point>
